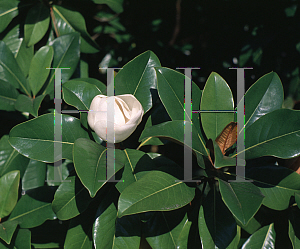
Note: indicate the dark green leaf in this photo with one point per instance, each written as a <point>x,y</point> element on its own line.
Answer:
<point>20,239</point>
<point>277,184</point>
<point>80,95</point>
<point>67,21</point>
<point>242,198</point>
<point>159,115</point>
<point>138,77</point>
<point>36,24</point>
<point>165,229</point>
<point>171,129</point>
<point>217,227</point>
<point>79,234</point>
<point>105,223</point>
<point>10,70</point>
<point>66,55</point>
<point>272,135</point>
<point>23,56</point>
<point>220,159</point>
<point>263,238</point>
<point>216,96</point>
<point>136,165</point>
<point>150,140</point>
<point>13,39</point>
<point>183,237</point>
<point>64,173</point>
<point>101,86</point>
<point>35,138</point>
<point>112,232</point>
<point>34,176</point>
<point>34,208</point>
<point>128,232</point>
<point>7,230</point>
<point>8,96</point>
<point>71,199</point>
<point>28,104</point>
<point>10,159</point>
<point>9,9</point>
<point>252,226</point>
<point>38,71</point>
<point>171,90</point>
<point>143,195</point>
<point>115,5</point>
<point>90,164</point>
<point>264,96</point>
<point>294,231</point>
<point>9,185</point>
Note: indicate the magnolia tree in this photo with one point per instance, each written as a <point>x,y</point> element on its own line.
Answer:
<point>80,170</point>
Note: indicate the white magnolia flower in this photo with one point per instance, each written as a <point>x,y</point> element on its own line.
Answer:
<point>125,117</point>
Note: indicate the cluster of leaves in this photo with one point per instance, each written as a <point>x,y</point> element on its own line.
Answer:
<point>148,199</point>
<point>145,203</point>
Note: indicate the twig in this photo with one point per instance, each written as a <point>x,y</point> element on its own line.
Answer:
<point>177,25</point>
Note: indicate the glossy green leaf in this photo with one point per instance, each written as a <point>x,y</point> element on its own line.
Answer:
<point>277,184</point>
<point>84,68</point>
<point>7,230</point>
<point>10,70</point>
<point>23,56</point>
<point>9,185</point>
<point>105,222</point>
<point>67,21</point>
<point>144,195</point>
<point>112,232</point>
<point>64,173</point>
<point>9,9</point>
<point>137,164</point>
<point>20,239</point>
<point>166,229</point>
<point>216,96</point>
<point>66,55</point>
<point>243,199</point>
<point>183,237</point>
<point>217,227</point>
<point>28,104</point>
<point>35,138</point>
<point>80,95</point>
<point>171,90</point>
<point>8,96</point>
<point>294,231</point>
<point>34,208</point>
<point>70,199</point>
<point>38,71</point>
<point>252,226</point>
<point>128,232</point>
<point>115,5</point>
<point>79,233</point>
<point>101,86</point>
<point>36,24</point>
<point>220,159</point>
<point>138,78</point>
<point>10,159</point>
<point>90,164</point>
<point>13,39</point>
<point>157,116</point>
<point>34,176</point>
<point>171,129</point>
<point>272,135</point>
<point>263,238</point>
<point>264,96</point>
